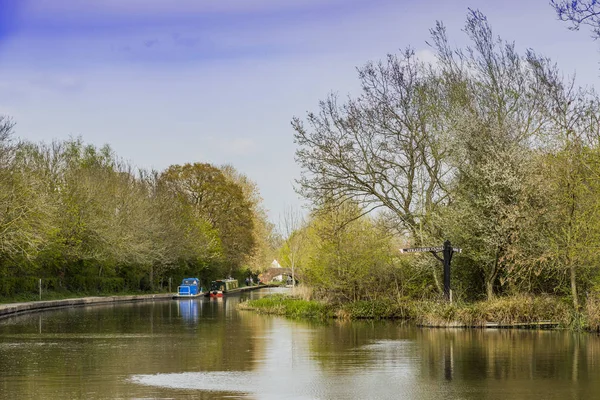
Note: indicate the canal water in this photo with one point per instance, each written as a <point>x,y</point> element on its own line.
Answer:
<point>208,349</point>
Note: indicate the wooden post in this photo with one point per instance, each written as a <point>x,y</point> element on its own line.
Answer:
<point>447,251</point>
<point>447,259</point>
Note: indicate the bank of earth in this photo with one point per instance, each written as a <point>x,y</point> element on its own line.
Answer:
<point>518,311</point>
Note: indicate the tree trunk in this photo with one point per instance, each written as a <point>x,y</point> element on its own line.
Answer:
<point>574,287</point>
<point>489,288</point>
<point>293,278</point>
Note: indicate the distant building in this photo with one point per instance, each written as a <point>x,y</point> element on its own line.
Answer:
<point>275,264</point>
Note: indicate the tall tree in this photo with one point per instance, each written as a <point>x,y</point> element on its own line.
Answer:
<point>218,201</point>
<point>382,149</point>
<point>262,229</point>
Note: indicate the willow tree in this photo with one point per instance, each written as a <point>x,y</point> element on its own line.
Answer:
<point>496,119</point>
<point>348,261</point>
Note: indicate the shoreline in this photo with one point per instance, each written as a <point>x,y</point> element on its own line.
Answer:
<point>13,309</point>
<point>518,312</point>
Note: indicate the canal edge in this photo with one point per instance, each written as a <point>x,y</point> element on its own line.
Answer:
<point>12,309</point>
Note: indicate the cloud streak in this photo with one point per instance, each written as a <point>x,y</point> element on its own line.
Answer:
<point>63,32</point>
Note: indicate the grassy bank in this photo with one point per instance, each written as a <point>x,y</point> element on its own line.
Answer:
<point>519,309</point>
<point>291,307</point>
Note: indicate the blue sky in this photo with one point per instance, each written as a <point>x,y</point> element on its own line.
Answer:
<point>175,81</point>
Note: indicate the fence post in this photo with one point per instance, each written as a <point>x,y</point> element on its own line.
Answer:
<point>40,285</point>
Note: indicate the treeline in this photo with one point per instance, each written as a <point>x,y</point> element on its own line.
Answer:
<point>489,147</point>
<point>82,220</point>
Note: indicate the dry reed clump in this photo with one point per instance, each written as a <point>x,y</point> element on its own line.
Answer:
<point>436,314</point>
<point>502,310</point>
<point>592,312</point>
<point>515,309</point>
<point>303,292</point>
<point>522,309</point>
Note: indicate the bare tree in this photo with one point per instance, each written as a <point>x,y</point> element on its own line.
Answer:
<point>292,226</point>
<point>579,12</point>
<point>382,149</point>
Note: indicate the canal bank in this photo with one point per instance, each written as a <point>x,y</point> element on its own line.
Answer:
<point>518,311</point>
<point>10,309</point>
<point>7,310</point>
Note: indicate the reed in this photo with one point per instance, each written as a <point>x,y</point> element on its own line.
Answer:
<point>592,313</point>
<point>506,311</point>
<point>289,306</point>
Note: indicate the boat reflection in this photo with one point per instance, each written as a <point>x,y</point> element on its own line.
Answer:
<point>189,309</point>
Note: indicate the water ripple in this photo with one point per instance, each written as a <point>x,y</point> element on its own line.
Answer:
<point>236,381</point>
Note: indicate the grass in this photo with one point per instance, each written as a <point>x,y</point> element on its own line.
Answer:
<point>289,306</point>
<point>510,310</point>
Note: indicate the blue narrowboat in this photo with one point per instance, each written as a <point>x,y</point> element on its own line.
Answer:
<point>190,287</point>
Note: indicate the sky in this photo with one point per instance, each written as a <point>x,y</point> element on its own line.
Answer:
<point>174,81</point>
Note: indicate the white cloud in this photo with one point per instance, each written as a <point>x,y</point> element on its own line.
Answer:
<point>426,56</point>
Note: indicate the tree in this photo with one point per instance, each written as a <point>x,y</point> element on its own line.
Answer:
<point>218,201</point>
<point>383,149</point>
<point>25,209</point>
<point>579,12</point>
<point>292,228</point>
<point>421,138</point>
<point>572,172</point>
<point>262,229</point>
<point>349,261</point>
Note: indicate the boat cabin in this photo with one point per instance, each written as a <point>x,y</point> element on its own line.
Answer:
<point>218,287</point>
<point>189,287</point>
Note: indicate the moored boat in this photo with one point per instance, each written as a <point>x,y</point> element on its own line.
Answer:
<point>222,286</point>
<point>190,287</point>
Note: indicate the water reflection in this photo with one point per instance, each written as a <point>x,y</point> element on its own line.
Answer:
<point>188,309</point>
<point>203,348</point>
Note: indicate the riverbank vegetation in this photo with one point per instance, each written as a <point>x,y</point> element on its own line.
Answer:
<point>489,147</point>
<point>83,221</point>
<point>523,310</point>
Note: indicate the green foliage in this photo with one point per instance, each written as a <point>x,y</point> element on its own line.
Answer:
<point>488,147</point>
<point>348,261</point>
<point>289,307</point>
<point>83,220</point>
<point>376,309</point>
<point>218,201</point>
